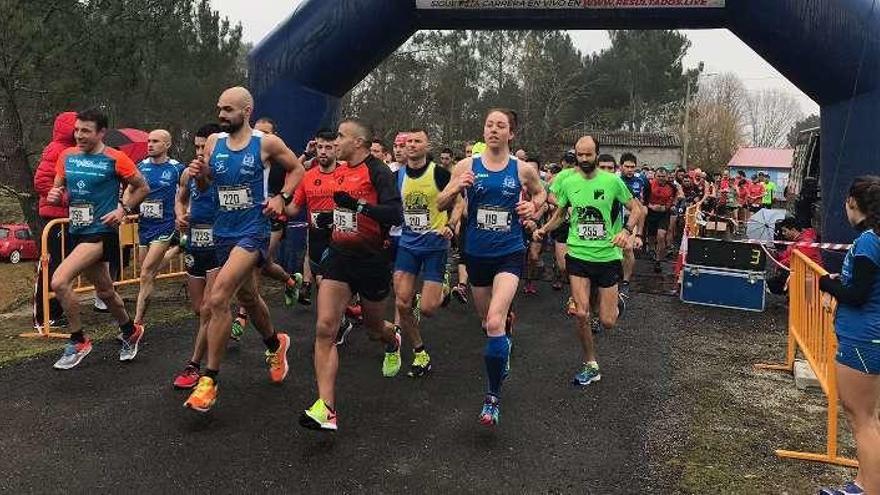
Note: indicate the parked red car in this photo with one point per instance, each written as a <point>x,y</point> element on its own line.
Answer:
<point>17,243</point>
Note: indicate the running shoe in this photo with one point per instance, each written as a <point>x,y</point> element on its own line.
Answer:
<point>291,292</point>
<point>238,326</point>
<point>588,374</point>
<point>557,285</point>
<point>391,363</point>
<point>74,352</point>
<point>344,329</point>
<point>421,365</point>
<point>623,289</point>
<point>318,417</point>
<point>187,378</point>
<point>417,308</point>
<point>305,294</point>
<point>529,289</point>
<point>489,416</point>
<point>128,348</point>
<point>202,399</point>
<point>460,293</point>
<point>100,306</point>
<point>570,306</point>
<point>850,488</point>
<point>277,360</point>
<point>621,303</point>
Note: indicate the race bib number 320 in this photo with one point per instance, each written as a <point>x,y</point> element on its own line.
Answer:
<point>82,214</point>
<point>494,219</point>
<point>235,198</point>
<point>417,221</point>
<point>345,220</point>
<point>591,231</point>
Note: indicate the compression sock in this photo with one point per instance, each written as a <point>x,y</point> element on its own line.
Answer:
<point>127,329</point>
<point>495,354</point>
<point>272,342</point>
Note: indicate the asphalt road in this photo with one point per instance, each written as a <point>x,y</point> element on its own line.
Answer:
<point>115,427</point>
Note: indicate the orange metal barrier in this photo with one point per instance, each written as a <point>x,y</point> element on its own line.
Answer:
<point>129,269</point>
<point>811,329</point>
<point>691,224</point>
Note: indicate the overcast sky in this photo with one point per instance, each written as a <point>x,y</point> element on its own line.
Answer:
<point>259,17</point>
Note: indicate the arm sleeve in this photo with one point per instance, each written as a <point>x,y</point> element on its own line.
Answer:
<point>59,165</point>
<point>441,178</point>
<point>857,293</point>
<point>389,209</point>
<point>125,168</point>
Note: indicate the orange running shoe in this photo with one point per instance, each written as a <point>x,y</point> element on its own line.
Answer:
<point>277,360</point>
<point>202,399</point>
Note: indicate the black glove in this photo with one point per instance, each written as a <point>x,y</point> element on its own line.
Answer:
<point>344,200</point>
<point>324,220</point>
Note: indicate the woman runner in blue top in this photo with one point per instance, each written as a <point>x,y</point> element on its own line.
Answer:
<point>857,322</point>
<point>492,184</point>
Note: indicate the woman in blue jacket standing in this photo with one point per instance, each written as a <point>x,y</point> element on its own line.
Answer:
<point>857,324</point>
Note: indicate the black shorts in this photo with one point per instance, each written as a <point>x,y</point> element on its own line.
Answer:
<point>655,221</point>
<point>560,235</point>
<point>369,277</point>
<point>601,274</point>
<point>109,240</point>
<point>482,269</point>
<point>200,261</point>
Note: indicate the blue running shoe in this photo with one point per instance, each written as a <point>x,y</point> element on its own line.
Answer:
<point>850,488</point>
<point>489,414</point>
<point>588,374</point>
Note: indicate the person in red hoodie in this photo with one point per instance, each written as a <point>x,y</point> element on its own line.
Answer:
<point>793,232</point>
<point>44,178</point>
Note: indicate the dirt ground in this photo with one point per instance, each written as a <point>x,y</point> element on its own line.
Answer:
<point>714,432</point>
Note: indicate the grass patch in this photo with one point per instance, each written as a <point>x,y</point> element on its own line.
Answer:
<point>741,416</point>
<point>169,305</point>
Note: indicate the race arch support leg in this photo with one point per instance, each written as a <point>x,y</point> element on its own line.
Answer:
<point>298,111</point>
<point>850,148</point>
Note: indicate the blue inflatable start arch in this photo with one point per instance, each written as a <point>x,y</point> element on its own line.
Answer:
<point>829,48</point>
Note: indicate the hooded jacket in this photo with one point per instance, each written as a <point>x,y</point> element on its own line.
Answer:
<point>44,176</point>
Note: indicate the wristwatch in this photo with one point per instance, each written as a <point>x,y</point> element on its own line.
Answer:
<point>127,209</point>
<point>287,197</point>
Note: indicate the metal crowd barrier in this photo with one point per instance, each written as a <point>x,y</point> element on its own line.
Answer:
<point>811,329</point>
<point>129,269</point>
